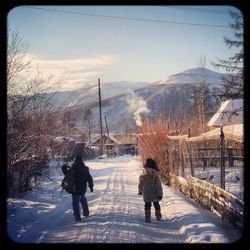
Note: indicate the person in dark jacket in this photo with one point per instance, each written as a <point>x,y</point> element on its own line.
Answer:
<point>151,189</point>
<point>82,177</point>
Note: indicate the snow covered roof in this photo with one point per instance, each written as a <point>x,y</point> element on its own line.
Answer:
<point>120,139</point>
<point>107,140</point>
<point>114,139</point>
<point>230,112</point>
<point>178,137</point>
<point>63,138</point>
<point>126,138</point>
<point>234,132</point>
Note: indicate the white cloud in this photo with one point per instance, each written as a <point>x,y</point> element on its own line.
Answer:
<point>74,71</point>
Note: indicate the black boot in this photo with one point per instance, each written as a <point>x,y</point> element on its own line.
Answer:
<point>158,214</point>
<point>147,215</point>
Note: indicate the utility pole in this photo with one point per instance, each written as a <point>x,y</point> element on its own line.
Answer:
<point>89,131</point>
<point>100,109</point>
<point>106,126</point>
<point>107,132</point>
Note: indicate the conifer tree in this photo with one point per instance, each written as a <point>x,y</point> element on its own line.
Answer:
<point>233,85</point>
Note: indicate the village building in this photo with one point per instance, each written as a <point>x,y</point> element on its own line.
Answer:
<point>229,117</point>
<point>117,144</point>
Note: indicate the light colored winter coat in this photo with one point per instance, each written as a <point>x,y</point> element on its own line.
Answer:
<point>150,185</point>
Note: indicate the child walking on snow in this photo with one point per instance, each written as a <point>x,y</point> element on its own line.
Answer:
<point>151,189</point>
<point>82,177</point>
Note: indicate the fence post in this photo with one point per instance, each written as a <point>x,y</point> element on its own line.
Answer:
<point>204,164</point>
<point>181,158</point>
<point>190,154</point>
<point>222,157</point>
<point>191,158</point>
<point>230,156</point>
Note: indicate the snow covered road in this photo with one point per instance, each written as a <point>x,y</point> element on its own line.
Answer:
<point>44,215</point>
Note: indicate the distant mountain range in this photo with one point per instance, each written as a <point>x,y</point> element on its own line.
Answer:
<point>124,102</point>
<point>193,76</point>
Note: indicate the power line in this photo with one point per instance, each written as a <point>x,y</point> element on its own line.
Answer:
<point>200,10</point>
<point>129,18</point>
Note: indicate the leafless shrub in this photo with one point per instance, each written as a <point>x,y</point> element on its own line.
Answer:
<point>31,122</point>
<point>154,142</point>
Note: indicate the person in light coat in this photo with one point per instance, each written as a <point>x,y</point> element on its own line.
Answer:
<point>151,189</point>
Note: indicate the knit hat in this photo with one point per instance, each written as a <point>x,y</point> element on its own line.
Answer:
<point>150,163</point>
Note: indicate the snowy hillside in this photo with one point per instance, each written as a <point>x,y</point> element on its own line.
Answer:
<point>44,215</point>
<point>194,76</point>
<point>89,94</point>
<point>121,111</point>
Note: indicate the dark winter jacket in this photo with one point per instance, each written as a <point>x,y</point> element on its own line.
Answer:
<point>82,177</point>
<point>150,185</point>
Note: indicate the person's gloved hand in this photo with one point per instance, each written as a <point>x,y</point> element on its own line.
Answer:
<point>91,189</point>
<point>139,193</point>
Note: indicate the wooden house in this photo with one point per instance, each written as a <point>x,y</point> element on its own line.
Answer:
<point>117,144</point>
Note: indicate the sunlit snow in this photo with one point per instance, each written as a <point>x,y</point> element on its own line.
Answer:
<point>44,215</point>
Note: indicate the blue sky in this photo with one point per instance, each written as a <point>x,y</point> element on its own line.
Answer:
<point>102,42</point>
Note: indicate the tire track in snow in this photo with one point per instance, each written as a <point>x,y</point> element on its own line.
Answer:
<point>118,215</point>
<point>125,216</point>
<point>108,211</point>
<point>98,226</point>
<point>61,232</point>
<point>154,232</point>
<point>119,230</point>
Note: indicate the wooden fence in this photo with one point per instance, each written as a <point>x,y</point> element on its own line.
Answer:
<point>218,153</point>
<point>214,198</point>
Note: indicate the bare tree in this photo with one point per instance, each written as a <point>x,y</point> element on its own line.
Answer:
<point>69,121</point>
<point>88,121</point>
<point>30,118</point>
<point>16,63</point>
<point>201,101</point>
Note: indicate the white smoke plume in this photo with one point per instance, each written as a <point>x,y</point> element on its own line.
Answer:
<point>137,105</point>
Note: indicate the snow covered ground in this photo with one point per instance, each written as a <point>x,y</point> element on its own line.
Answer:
<point>44,215</point>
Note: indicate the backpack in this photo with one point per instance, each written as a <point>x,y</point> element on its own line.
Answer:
<point>65,168</point>
<point>68,182</point>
